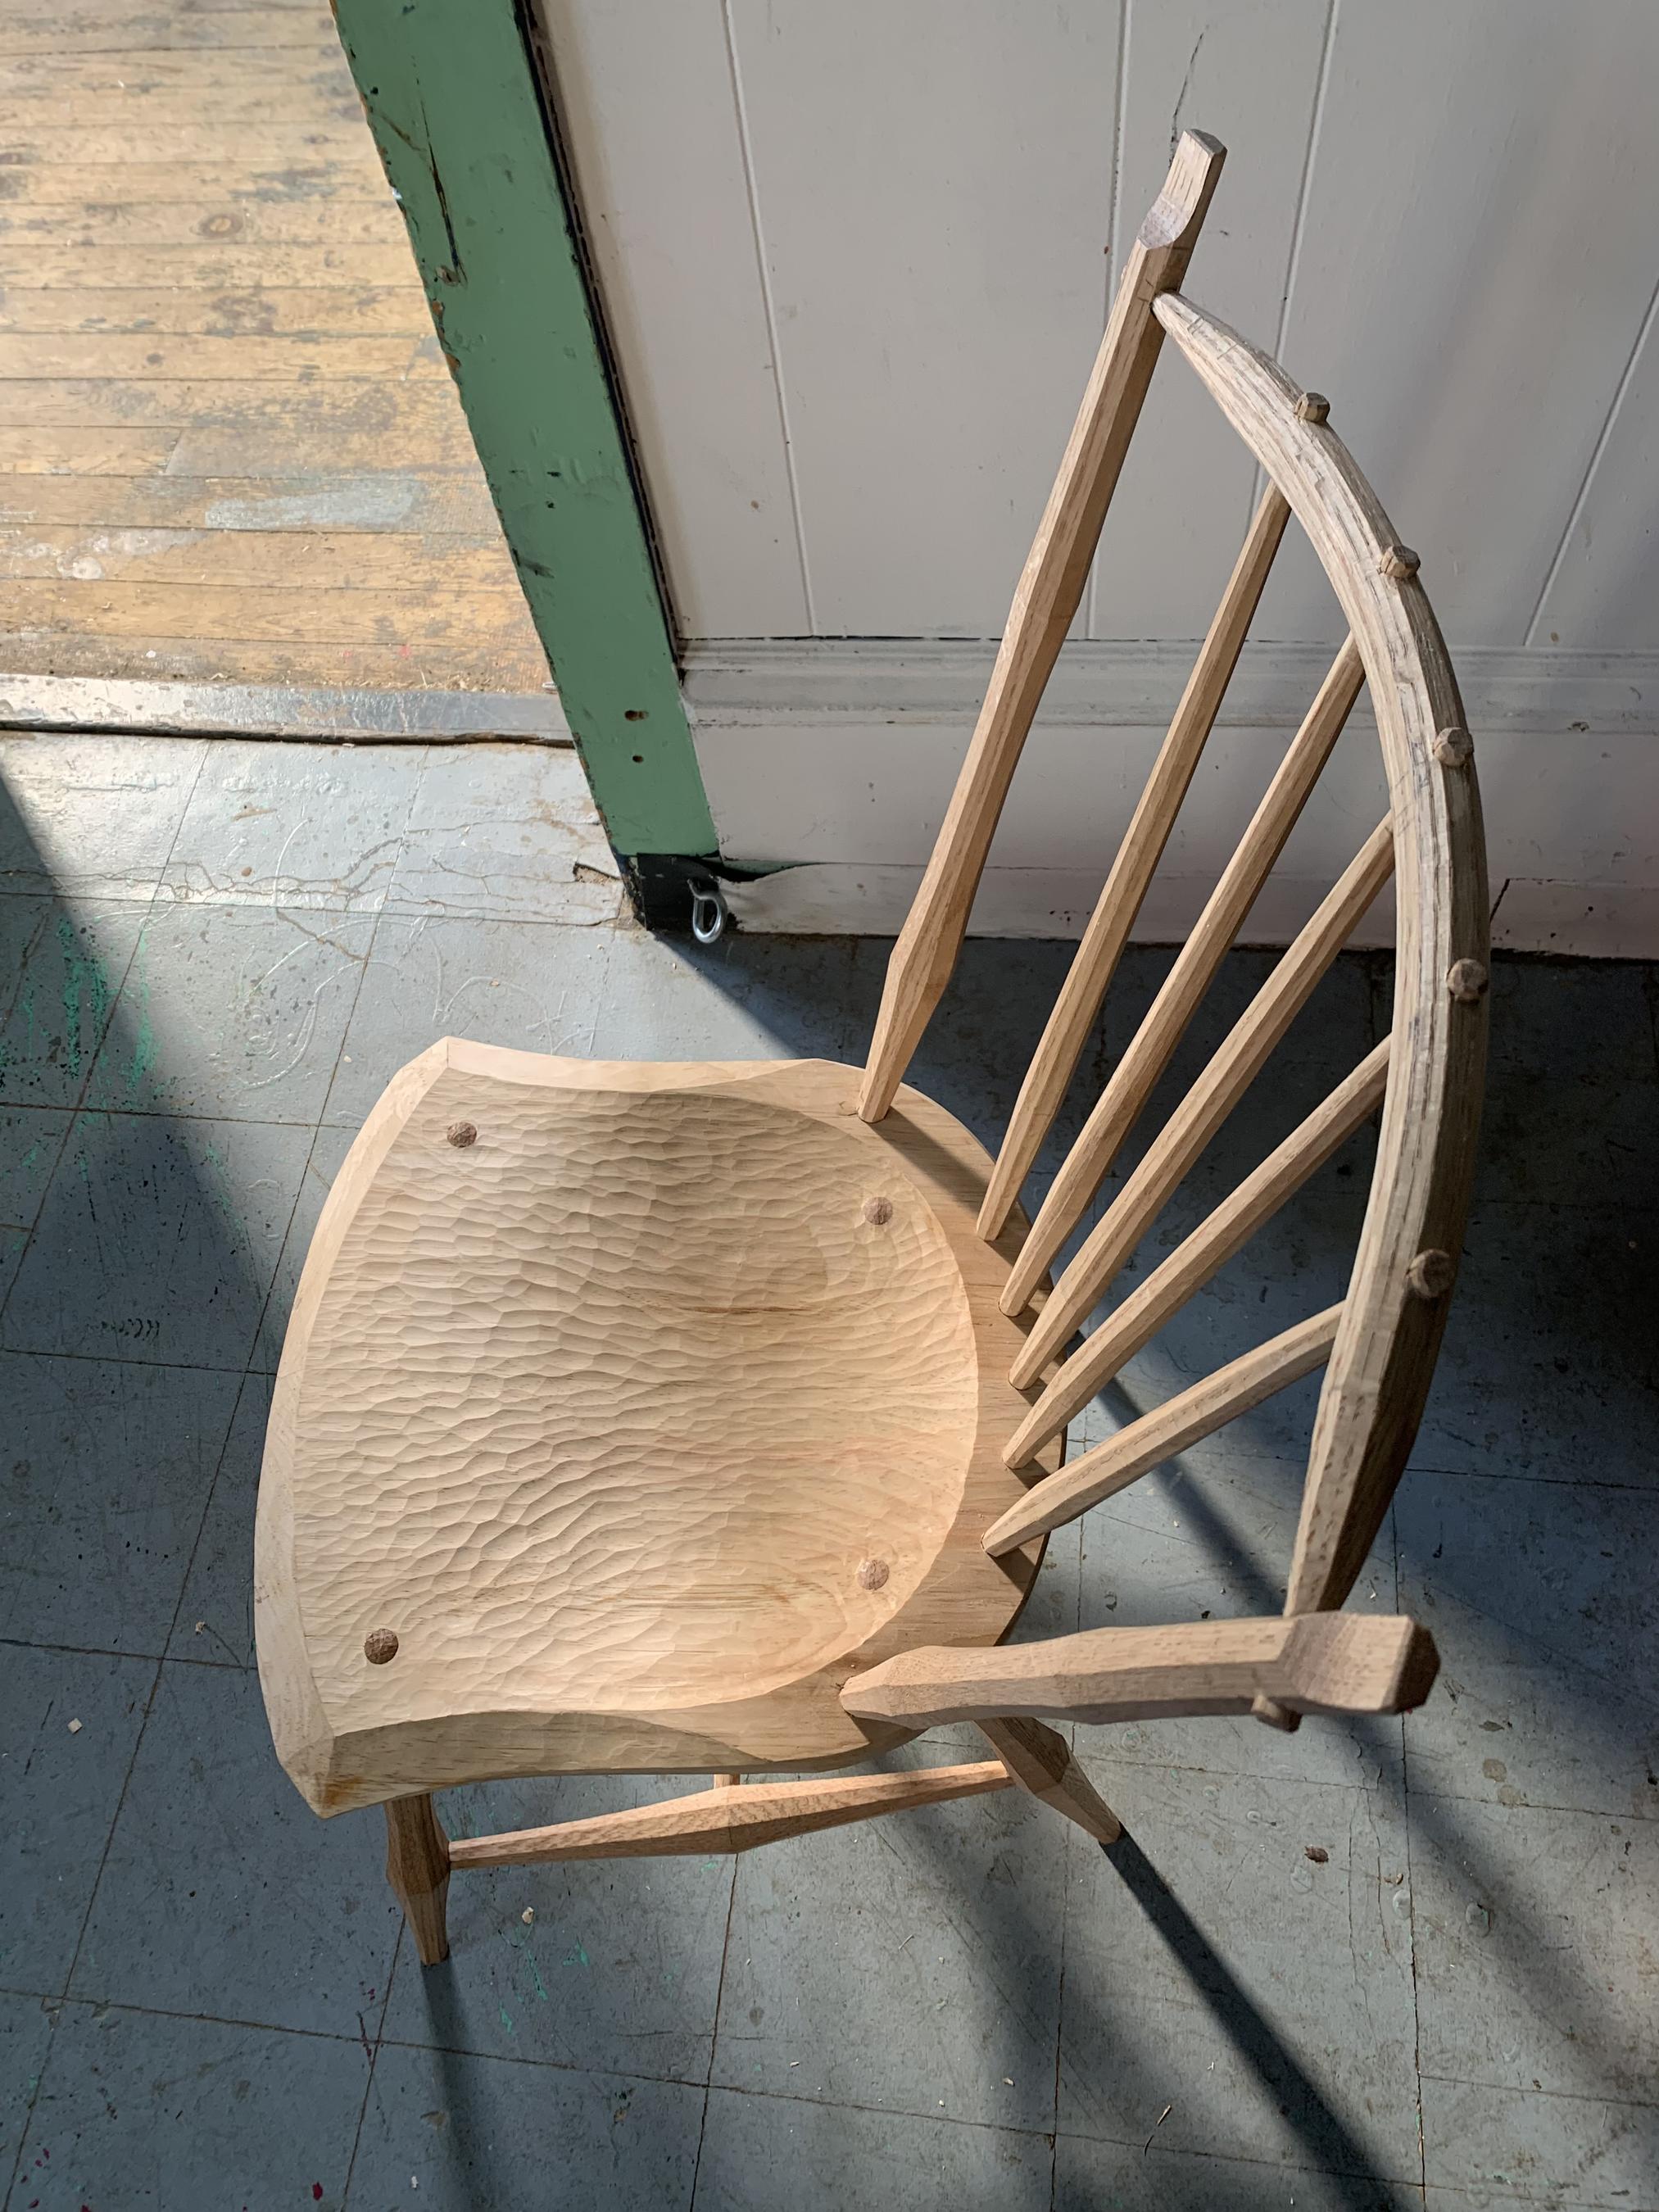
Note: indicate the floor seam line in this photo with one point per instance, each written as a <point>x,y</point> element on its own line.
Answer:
<point>713,2036</point>
<point>374,2061</point>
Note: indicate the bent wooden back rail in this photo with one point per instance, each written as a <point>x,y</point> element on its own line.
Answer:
<point>710,1417</point>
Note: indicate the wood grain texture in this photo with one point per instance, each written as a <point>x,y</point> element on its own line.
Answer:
<point>1115,1112</point>
<point>217,309</point>
<point>1243,1055</point>
<point>436,512</point>
<point>1045,603</point>
<point>1040,1763</point>
<point>605,1413</point>
<point>1192,1414</point>
<point>267,561</point>
<point>1384,1356</point>
<point>417,1863</point>
<point>265,358</point>
<point>149,221</point>
<point>733,1817</point>
<point>1087,979</point>
<point>204,277</point>
<point>1202,1254</point>
<point>276,614</point>
<point>1320,1662</point>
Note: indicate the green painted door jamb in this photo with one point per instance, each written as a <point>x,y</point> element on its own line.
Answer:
<point>454,98</point>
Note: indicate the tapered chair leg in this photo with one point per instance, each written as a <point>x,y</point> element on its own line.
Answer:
<point>417,1867</point>
<point>1039,1762</point>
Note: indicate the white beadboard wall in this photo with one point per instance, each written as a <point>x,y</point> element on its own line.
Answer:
<point>855,257</point>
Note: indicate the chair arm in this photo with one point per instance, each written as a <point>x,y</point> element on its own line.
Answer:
<point>1328,1662</point>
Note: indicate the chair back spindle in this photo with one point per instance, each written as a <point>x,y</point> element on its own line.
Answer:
<point>1054,1062</point>
<point>1377,1345</point>
<point>1050,587</point>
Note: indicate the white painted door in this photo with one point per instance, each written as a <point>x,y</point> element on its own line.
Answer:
<point>856,255</point>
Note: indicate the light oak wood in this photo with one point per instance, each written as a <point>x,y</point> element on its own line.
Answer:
<point>1228,1075</point>
<point>641,1420</point>
<point>1384,1356</point>
<point>1132,1082</point>
<point>417,1863</point>
<point>1186,1419</point>
<point>656,1417</point>
<point>1045,602</point>
<point>731,1818</point>
<point>1039,1762</point>
<point>1268,1710</point>
<point>1202,1254</point>
<point>1054,1062</point>
<point>1319,1663</point>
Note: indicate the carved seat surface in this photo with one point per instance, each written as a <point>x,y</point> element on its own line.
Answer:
<point>641,1404</point>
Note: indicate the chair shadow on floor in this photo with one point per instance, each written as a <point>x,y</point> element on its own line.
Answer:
<point>138,1249</point>
<point>971,1063</point>
<point>131,1235</point>
<point>1603,1281</point>
<point>1322,2133</point>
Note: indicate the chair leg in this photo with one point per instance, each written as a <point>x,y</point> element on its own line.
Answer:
<point>1268,1709</point>
<point>417,1867</point>
<point>1039,1762</point>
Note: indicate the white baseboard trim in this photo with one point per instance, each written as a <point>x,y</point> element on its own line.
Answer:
<point>1537,691</point>
<point>829,764</point>
<point>839,899</point>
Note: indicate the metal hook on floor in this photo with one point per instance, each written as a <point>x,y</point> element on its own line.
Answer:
<point>709,912</point>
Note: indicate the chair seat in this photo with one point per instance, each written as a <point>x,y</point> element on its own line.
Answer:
<point>641,1405</point>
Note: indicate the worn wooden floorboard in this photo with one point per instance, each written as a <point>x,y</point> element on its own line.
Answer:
<point>308,357</point>
<point>261,143</point>
<point>180,221</point>
<point>415,664</point>
<point>320,311</point>
<point>230,447</point>
<point>241,177</point>
<point>386,562</point>
<point>441,507</point>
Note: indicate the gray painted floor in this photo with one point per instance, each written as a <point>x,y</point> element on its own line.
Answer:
<point>213,956</point>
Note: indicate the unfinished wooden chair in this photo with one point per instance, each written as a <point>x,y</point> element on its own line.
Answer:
<point>709,1417</point>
